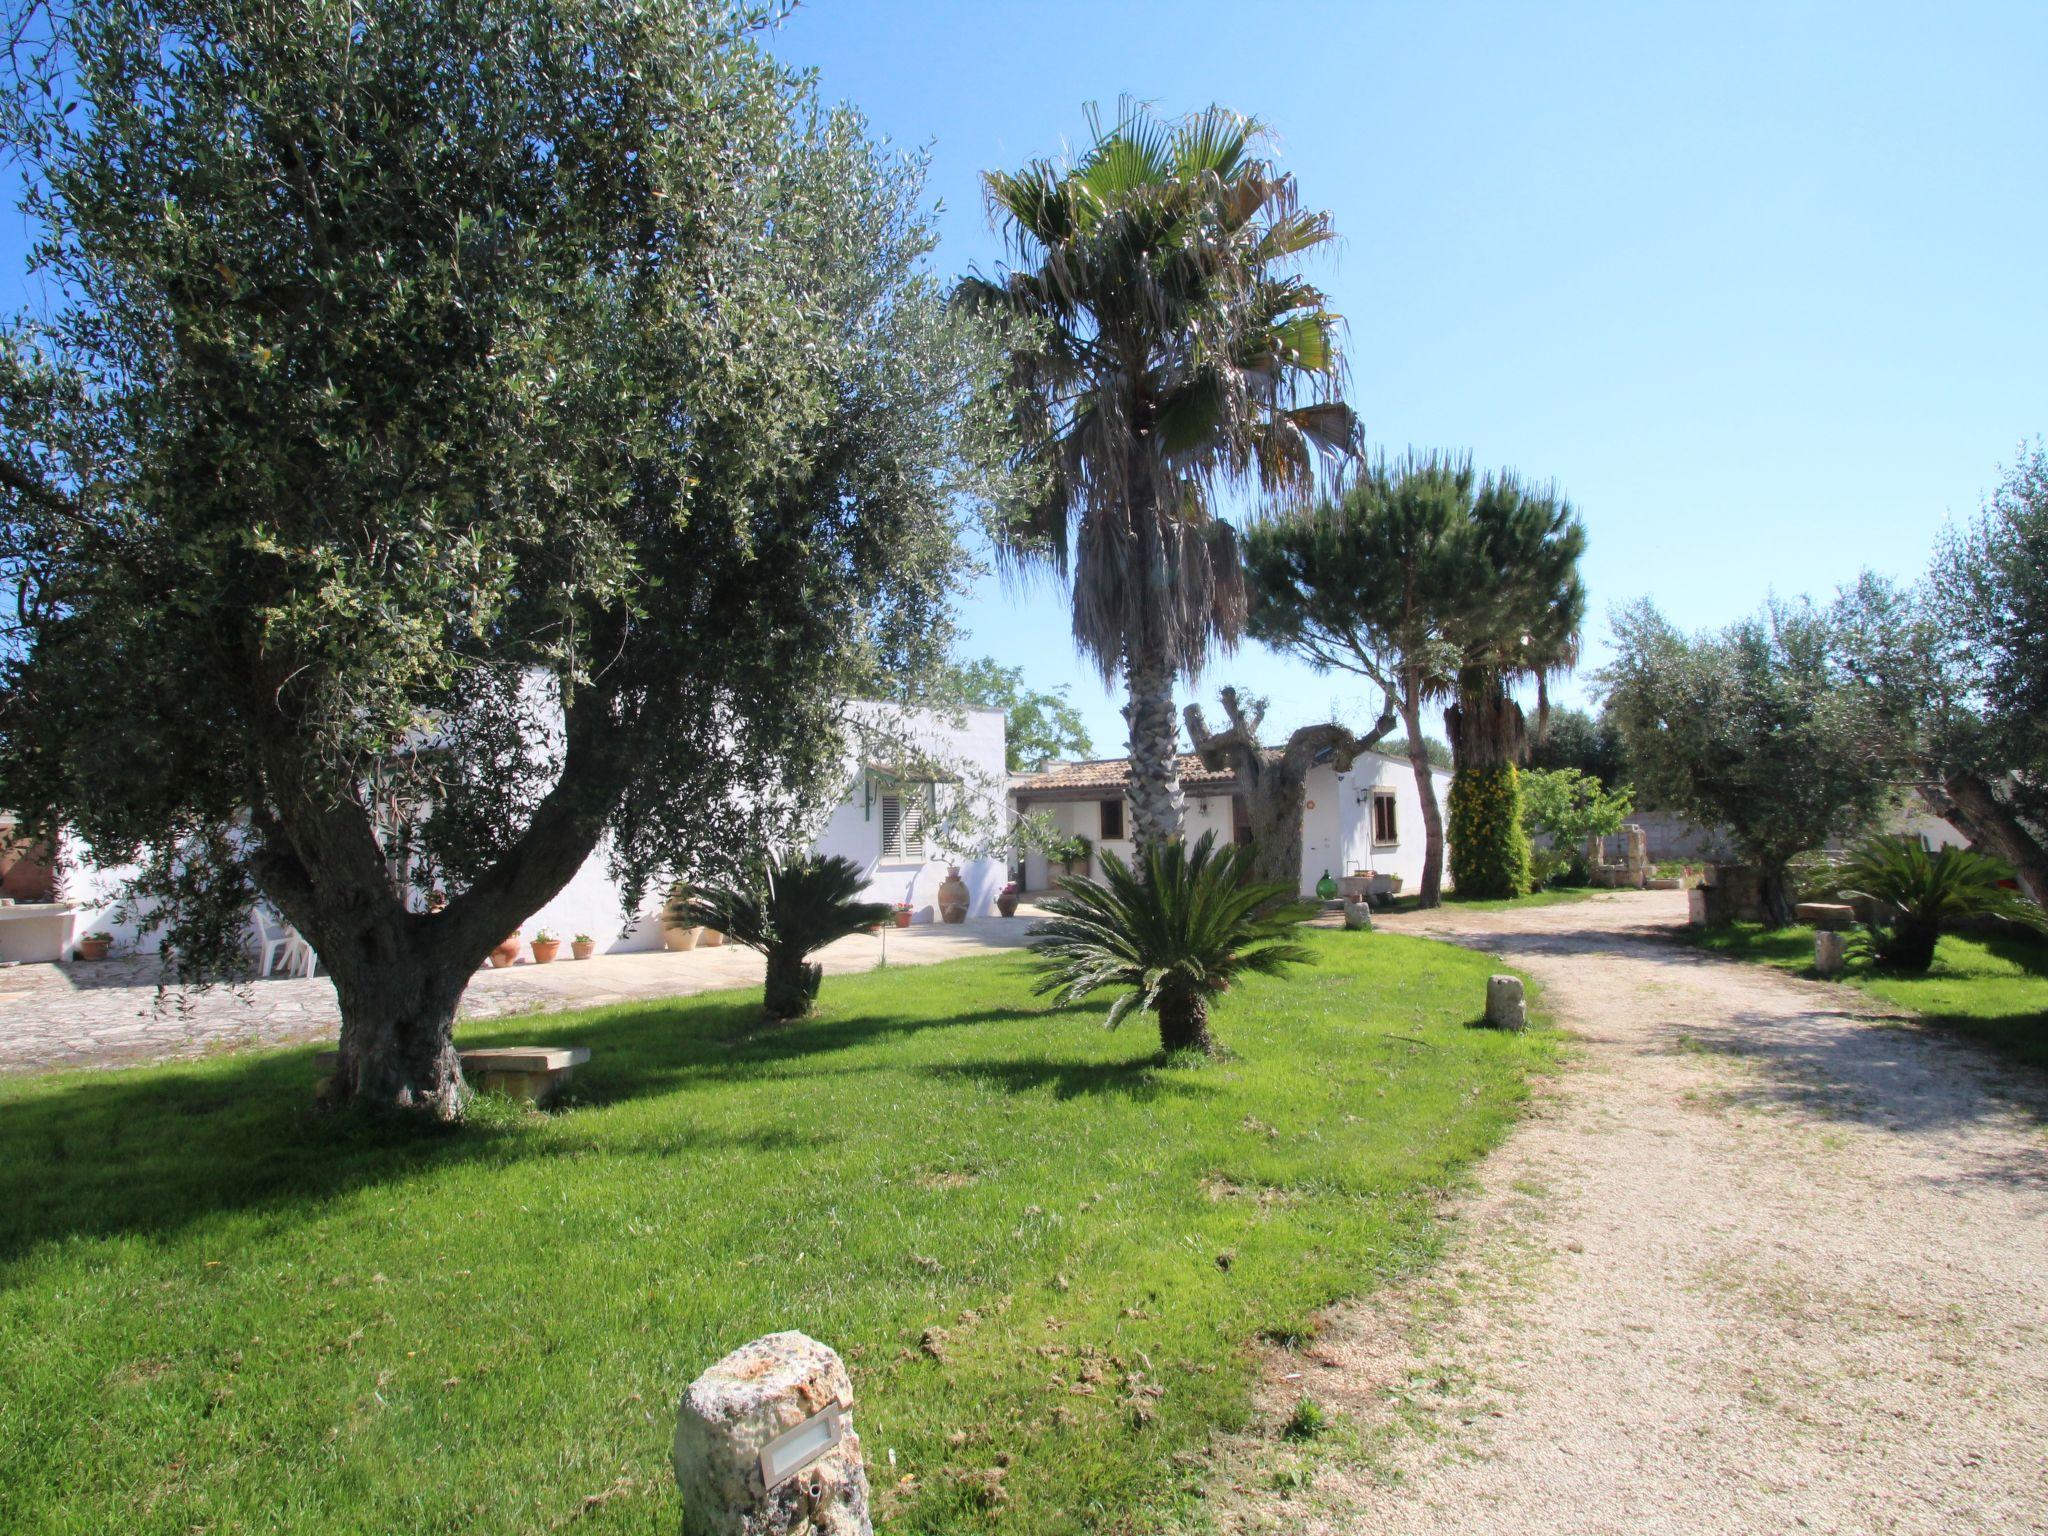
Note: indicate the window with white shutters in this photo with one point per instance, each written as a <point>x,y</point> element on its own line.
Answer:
<point>903,819</point>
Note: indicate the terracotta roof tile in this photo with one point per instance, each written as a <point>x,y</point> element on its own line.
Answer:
<point>1112,773</point>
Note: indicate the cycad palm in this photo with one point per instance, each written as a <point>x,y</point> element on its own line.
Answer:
<point>1176,932</point>
<point>791,910</point>
<point>1159,347</point>
<point>1920,893</point>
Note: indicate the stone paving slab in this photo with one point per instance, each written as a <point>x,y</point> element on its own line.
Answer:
<point>115,1012</point>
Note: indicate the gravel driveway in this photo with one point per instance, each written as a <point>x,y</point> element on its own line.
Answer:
<point>1754,1263</point>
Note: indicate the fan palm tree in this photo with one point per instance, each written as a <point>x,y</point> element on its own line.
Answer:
<point>1918,894</point>
<point>1177,932</point>
<point>796,907</point>
<point>1160,346</point>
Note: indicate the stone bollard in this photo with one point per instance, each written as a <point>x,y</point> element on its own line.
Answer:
<point>1358,913</point>
<point>765,1445</point>
<point>1830,954</point>
<point>1504,1006</point>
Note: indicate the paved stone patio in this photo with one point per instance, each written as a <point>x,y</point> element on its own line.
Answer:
<point>115,1013</point>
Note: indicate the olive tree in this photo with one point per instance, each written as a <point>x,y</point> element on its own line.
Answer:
<point>1957,668</point>
<point>1749,729</point>
<point>461,434</point>
<point>1275,779</point>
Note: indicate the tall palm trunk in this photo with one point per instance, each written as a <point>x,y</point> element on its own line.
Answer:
<point>1157,805</point>
<point>1432,892</point>
<point>1489,846</point>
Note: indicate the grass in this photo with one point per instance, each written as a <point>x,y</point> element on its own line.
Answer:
<point>1047,1255</point>
<point>1543,898</point>
<point>1993,990</point>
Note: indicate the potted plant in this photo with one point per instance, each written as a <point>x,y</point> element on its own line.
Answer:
<point>582,947</point>
<point>676,931</point>
<point>710,938</point>
<point>902,910</point>
<point>94,946</point>
<point>1072,854</point>
<point>545,947</point>
<point>1006,900</point>
<point>506,953</point>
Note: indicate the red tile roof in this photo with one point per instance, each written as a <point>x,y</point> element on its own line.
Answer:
<point>1109,773</point>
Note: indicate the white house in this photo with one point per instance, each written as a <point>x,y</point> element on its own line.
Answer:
<point>925,792</point>
<point>1365,820</point>
<point>906,826</point>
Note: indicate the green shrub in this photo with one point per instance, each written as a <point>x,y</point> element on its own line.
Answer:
<point>1489,846</point>
<point>1177,933</point>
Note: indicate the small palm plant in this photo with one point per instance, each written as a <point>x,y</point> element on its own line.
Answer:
<point>1917,894</point>
<point>1177,931</point>
<point>793,908</point>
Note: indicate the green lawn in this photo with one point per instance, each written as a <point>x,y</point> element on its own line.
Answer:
<point>1993,990</point>
<point>221,1313</point>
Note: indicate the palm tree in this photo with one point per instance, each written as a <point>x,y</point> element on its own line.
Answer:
<point>793,909</point>
<point>1177,933</point>
<point>1520,618</point>
<point>1160,346</point>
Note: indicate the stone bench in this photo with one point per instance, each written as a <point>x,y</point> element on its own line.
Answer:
<point>1830,916</point>
<point>531,1072</point>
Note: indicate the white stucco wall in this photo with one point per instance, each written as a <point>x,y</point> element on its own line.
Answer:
<point>1349,846</point>
<point>1204,814</point>
<point>971,747</point>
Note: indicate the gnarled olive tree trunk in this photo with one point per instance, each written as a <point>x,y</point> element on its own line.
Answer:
<point>399,975</point>
<point>1274,786</point>
<point>1973,805</point>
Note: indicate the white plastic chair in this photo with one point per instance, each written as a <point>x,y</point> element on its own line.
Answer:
<point>281,946</point>
<point>272,943</point>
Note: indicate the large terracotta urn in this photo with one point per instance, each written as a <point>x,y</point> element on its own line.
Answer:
<point>953,897</point>
<point>676,937</point>
<point>506,953</point>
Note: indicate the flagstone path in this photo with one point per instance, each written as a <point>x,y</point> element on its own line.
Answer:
<point>115,1012</point>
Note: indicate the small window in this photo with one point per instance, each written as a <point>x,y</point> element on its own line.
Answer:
<point>1112,821</point>
<point>902,827</point>
<point>1386,824</point>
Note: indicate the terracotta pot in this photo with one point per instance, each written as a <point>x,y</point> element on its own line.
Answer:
<point>679,938</point>
<point>506,953</point>
<point>582,949</point>
<point>1007,903</point>
<point>93,949</point>
<point>903,917</point>
<point>545,950</point>
<point>710,938</point>
<point>953,897</point>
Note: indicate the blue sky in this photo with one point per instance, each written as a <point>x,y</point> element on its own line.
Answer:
<point>1760,286</point>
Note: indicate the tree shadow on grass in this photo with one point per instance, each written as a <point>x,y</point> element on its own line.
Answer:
<point>154,1150</point>
<point>1142,1079</point>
